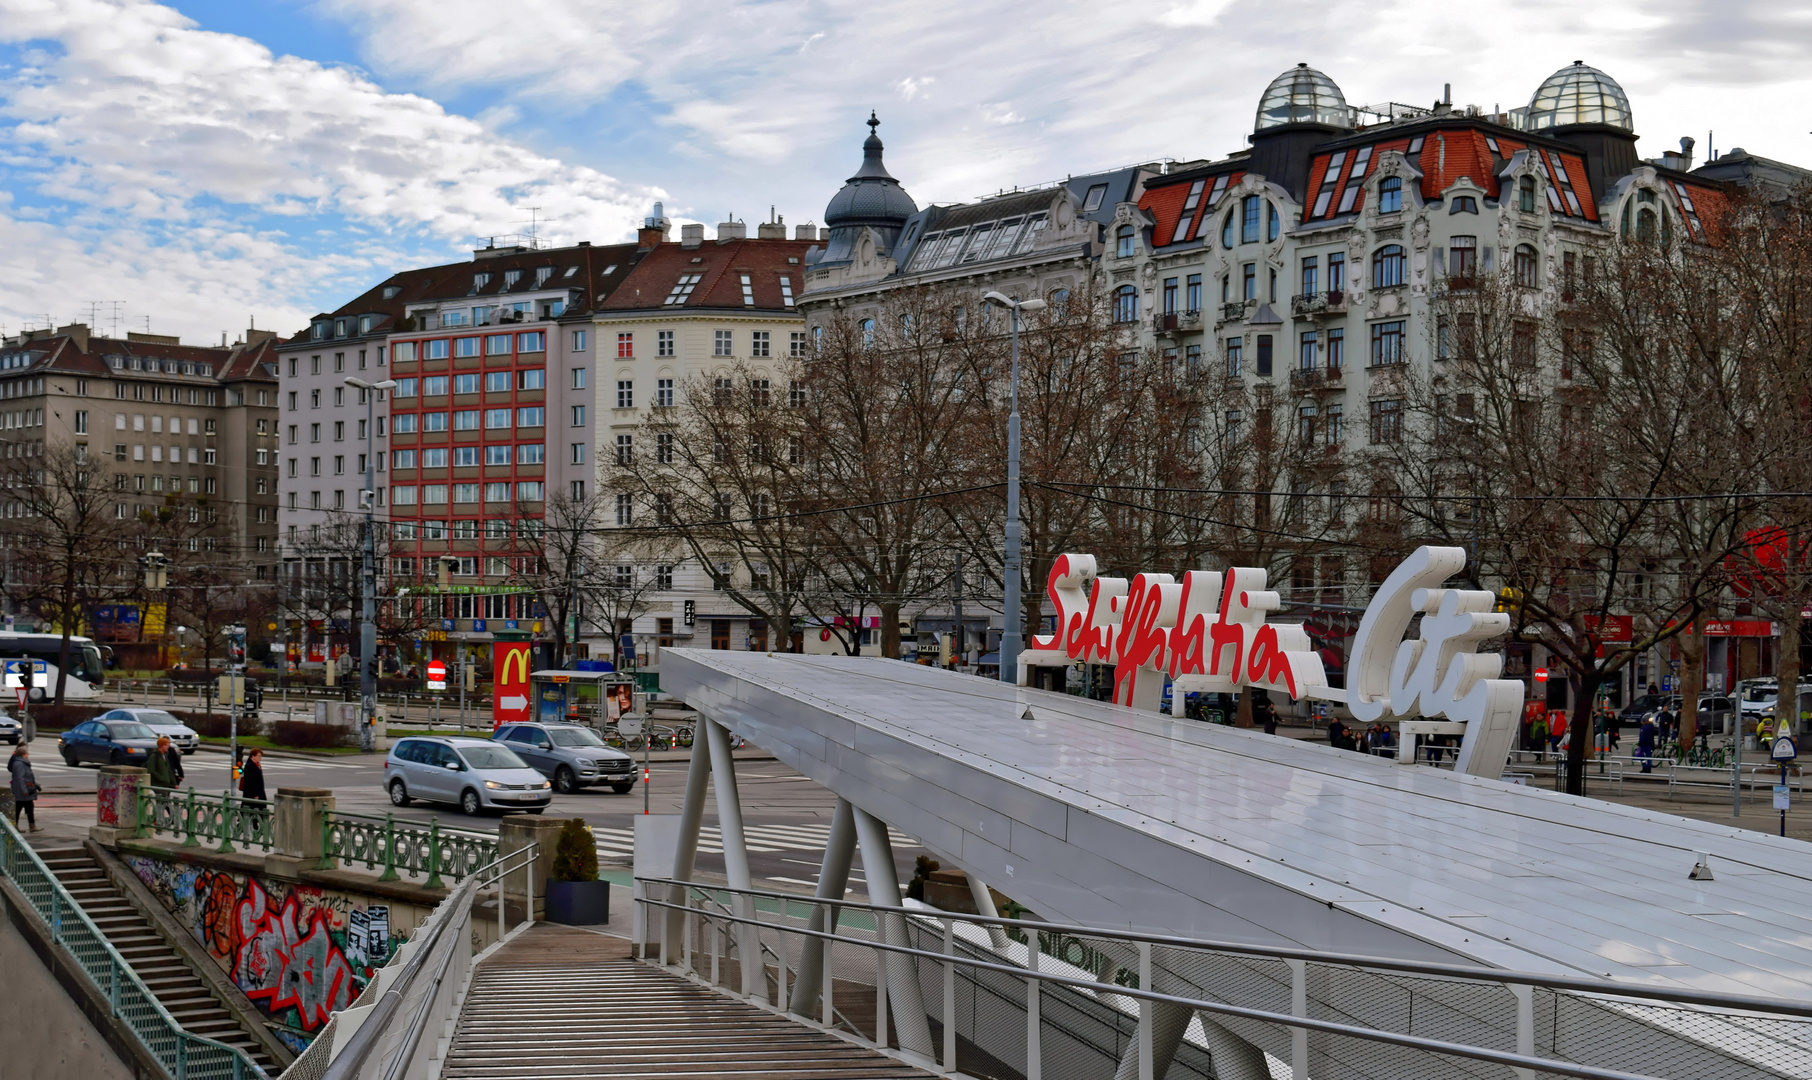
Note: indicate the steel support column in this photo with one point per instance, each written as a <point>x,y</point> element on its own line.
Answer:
<point>984,906</point>
<point>736,862</point>
<point>901,974</point>
<point>833,884</point>
<point>692,816</point>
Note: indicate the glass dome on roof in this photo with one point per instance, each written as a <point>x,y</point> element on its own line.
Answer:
<point>1578,94</point>
<point>1303,95</point>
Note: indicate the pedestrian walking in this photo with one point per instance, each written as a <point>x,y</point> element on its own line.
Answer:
<point>25,787</point>
<point>1645,743</point>
<point>163,772</point>
<point>251,780</point>
<point>1538,731</point>
<point>1270,717</point>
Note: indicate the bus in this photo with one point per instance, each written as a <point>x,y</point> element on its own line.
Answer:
<point>86,669</point>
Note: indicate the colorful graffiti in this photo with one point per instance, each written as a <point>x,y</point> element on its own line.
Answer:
<point>299,952</point>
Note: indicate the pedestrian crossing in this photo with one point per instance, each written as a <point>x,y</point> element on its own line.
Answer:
<point>619,843</point>
<point>194,764</point>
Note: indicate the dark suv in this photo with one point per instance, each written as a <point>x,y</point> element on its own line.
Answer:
<point>571,755</point>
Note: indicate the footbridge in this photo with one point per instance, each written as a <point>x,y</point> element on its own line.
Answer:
<point>1159,841</point>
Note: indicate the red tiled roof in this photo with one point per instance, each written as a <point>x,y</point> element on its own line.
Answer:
<point>1446,155</point>
<point>1166,204</point>
<point>719,267</point>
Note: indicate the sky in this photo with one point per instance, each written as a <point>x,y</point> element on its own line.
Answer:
<point>197,166</point>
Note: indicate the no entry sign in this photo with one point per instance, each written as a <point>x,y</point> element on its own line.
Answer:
<point>437,675</point>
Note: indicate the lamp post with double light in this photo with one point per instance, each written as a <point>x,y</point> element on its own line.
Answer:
<point>1012,634</point>
<point>368,570</point>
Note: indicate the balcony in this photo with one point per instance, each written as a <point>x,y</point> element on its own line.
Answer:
<point>1235,311</point>
<point>1309,305</point>
<point>1174,321</point>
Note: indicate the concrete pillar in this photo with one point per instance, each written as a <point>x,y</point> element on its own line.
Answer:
<point>833,883</point>
<point>736,861</point>
<point>116,803</point>
<point>297,828</point>
<point>984,906</point>
<point>1168,1023</point>
<point>516,832</point>
<point>692,814</point>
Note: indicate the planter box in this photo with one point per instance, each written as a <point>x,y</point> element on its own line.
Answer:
<point>578,903</point>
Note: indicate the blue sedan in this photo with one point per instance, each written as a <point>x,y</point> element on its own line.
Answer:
<point>107,742</point>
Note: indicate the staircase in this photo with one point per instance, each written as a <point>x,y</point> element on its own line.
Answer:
<point>181,992</point>
<point>567,1003</point>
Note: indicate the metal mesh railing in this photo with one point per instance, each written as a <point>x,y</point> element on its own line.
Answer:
<point>183,1056</point>
<point>1087,992</point>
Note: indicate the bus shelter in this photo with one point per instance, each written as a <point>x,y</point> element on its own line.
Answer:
<point>593,698</point>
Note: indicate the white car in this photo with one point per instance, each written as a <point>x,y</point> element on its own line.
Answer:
<point>182,736</point>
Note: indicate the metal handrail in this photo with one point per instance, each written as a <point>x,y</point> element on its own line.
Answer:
<point>63,908</point>
<point>1031,974</point>
<point>1685,995</point>
<point>385,847</point>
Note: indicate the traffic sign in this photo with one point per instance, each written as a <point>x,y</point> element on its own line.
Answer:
<point>1541,674</point>
<point>437,675</point>
<point>16,669</point>
<point>1783,750</point>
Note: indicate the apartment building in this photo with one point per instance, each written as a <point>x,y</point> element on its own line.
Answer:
<point>183,426</point>
<point>688,310</point>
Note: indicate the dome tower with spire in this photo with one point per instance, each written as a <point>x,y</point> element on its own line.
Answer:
<point>870,200</point>
<point>1585,107</point>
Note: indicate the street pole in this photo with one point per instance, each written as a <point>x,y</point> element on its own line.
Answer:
<point>368,572</point>
<point>1012,635</point>
<point>956,595</point>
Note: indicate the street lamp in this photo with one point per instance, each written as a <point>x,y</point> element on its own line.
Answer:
<point>368,571</point>
<point>1012,634</point>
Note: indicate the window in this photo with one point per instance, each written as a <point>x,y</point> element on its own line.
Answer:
<point>1192,296</point>
<point>531,490</point>
<point>759,343</point>
<point>401,495</point>
<point>578,416</point>
<point>1387,343</point>
<point>1263,365</point>
<point>1227,229</point>
<point>535,342</point>
<point>1236,427</point>
<point>1387,421</point>
<point>760,393</point>
<point>531,379</point>
<point>1337,272</point>
<point>1123,242</point>
<point>1462,258</point>
<point>1525,195</point>
<point>533,416</point>
<point>625,346</point>
<point>436,349</point>
<point>625,393</point>
<point>625,508</point>
<point>467,384</point>
<point>1249,213</point>
<point>314,399</point>
<point>1235,357</point>
<point>1192,359</point>
<point>314,433</point>
<point>435,457</point>
<point>1525,266</point>
<point>434,386</point>
<point>465,493</point>
<point>1387,266</point>
<point>663,343</point>
<point>720,343</point>
<point>81,422</point>
<point>1331,421</point>
<point>663,578</point>
<point>434,493</point>
<point>531,454</point>
<point>1126,304</point>
<point>1464,204</point>
<point>663,448</point>
<point>499,345</point>
<point>1311,272</point>
<point>1305,425</point>
<point>402,459</point>
<point>1522,344</point>
<point>465,420</point>
<point>465,346</point>
<point>796,343</point>
<point>339,464</point>
<point>663,393</point>
<point>493,455</point>
<point>1390,195</point>
<point>1170,296</point>
<point>497,382</point>
<point>401,424</point>
<point>1306,351</point>
<point>404,388</point>
<point>578,341</point>
<point>497,418</point>
<point>1249,282</point>
<point>1273,221</point>
<point>748,290</point>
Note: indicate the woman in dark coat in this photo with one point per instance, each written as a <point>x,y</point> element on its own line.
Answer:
<point>251,780</point>
<point>25,787</point>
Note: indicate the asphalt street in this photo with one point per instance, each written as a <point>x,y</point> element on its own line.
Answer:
<point>786,816</point>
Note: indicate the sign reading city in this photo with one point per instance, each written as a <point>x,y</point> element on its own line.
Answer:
<point>1209,632</point>
<point>437,675</point>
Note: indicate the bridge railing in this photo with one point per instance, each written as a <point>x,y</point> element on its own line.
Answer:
<point>429,850</point>
<point>1196,1007</point>
<point>222,820</point>
<point>183,1056</point>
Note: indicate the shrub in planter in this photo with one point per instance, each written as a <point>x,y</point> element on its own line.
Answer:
<point>304,735</point>
<point>575,896</point>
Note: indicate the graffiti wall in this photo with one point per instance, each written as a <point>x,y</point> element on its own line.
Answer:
<point>299,952</point>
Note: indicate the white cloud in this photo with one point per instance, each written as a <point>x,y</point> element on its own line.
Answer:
<point>159,142</point>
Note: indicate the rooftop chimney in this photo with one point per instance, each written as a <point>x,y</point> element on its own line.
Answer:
<point>691,236</point>
<point>805,232</point>
<point>78,333</point>
<point>731,230</point>
<point>771,230</point>
<point>654,229</point>
<point>254,335</point>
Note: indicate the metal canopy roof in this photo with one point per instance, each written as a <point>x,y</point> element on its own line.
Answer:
<point>1097,814</point>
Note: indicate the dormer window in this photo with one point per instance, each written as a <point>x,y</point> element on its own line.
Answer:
<point>138,364</point>
<point>542,274</point>
<point>320,330</point>
<point>1390,195</point>
<point>390,291</point>
<point>1464,204</point>
<point>511,277</point>
<point>480,281</point>
<point>342,327</point>
<point>570,271</point>
<point>208,369</point>
<point>366,322</point>
<point>116,362</point>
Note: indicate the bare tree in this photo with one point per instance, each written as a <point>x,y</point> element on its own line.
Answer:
<point>582,574</point>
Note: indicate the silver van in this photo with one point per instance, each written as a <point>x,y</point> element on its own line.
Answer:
<point>571,755</point>
<point>474,774</point>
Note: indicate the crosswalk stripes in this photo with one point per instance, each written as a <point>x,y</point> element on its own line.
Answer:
<point>618,842</point>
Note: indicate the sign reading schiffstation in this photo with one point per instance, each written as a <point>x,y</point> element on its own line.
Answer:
<point>1209,632</point>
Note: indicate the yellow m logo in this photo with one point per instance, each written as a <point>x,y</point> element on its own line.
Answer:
<point>516,658</point>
